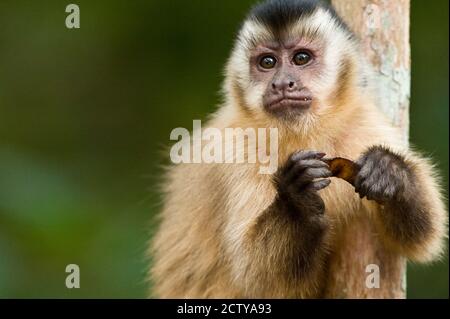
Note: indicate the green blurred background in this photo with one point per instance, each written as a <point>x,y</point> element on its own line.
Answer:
<point>85,114</point>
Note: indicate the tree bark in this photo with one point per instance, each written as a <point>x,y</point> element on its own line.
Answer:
<point>383,29</point>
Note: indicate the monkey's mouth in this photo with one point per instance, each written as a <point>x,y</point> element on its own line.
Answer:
<point>289,103</point>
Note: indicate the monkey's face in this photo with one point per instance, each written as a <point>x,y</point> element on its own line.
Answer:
<point>291,68</point>
<point>286,71</point>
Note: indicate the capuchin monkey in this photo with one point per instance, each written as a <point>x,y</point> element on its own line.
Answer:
<point>227,231</point>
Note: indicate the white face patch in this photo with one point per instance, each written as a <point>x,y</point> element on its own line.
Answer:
<point>254,95</point>
<point>239,64</point>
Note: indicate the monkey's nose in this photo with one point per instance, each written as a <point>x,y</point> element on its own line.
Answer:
<point>284,86</point>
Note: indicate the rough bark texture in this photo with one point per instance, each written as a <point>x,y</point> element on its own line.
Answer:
<point>383,27</point>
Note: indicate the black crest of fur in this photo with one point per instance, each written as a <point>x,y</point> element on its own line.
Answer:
<point>279,14</point>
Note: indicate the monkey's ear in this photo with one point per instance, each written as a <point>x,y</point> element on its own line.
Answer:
<point>343,168</point>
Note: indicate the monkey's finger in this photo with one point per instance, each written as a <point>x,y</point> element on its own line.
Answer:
<point>312,173</point>
<point>366,169</point>
<point>362,176</point>
<point>358,182</point>
<point>301,155</point>
<point>364,189</point>
<point>313,163</point>
<point>301,165</point>
<point>320,184</point>
<point>371,181</point>
<point>361,161</point>
<point>358,189</point>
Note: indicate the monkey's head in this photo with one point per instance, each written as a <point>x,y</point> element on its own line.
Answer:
<point>293,59</point>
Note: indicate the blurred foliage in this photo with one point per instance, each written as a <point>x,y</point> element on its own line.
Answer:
<point>84,116</point>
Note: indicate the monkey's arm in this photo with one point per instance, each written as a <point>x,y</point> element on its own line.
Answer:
<point>286,242</point>
<point>412,216</point>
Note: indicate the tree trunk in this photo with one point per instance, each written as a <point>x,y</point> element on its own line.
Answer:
<point>383,28</point>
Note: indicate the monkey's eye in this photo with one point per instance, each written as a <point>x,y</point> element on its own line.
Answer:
<point>302,58</point>
<point>268,62</point>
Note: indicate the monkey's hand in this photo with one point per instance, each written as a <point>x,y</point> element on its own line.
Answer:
<point>290,237</point>
<point>299,180</point>
<point>412,214</point>
<point>384,176</point>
